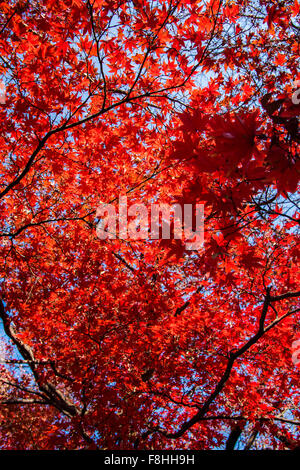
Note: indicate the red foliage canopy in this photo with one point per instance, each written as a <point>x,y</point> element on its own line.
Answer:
<point>142,344</point>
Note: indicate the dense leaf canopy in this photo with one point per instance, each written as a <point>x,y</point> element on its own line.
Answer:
<point>143,344</point>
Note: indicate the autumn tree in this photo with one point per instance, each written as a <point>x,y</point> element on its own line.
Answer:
<point>143,344</point>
